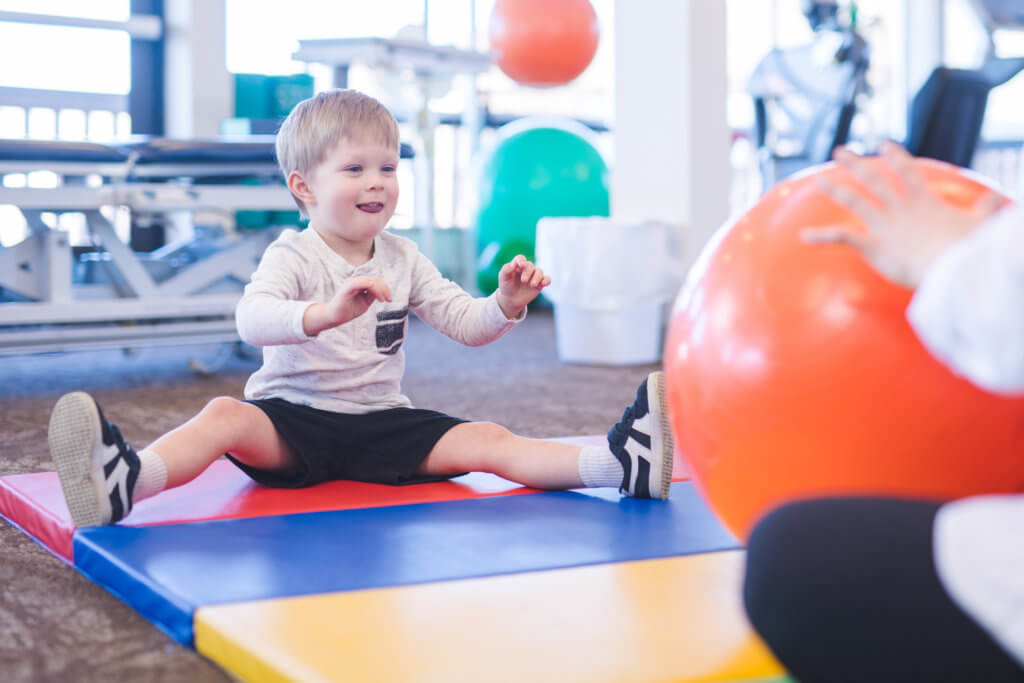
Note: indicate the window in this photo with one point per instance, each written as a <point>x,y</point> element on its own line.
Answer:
<point>89,59</point>
<point>76,92</point>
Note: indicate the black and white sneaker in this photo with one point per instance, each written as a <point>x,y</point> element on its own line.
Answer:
<point>642,442</point>
<point>97,469</point>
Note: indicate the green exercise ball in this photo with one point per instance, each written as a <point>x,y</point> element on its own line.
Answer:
<point>538,168</point>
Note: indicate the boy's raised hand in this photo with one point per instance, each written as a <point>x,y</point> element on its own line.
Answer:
<point>519,283</point>
<point>907,226</point>
<point>353,299</point>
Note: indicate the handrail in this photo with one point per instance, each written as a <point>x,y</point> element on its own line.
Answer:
<point>62,99</point>
<point>138,26</point>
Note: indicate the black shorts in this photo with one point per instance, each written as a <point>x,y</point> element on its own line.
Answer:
<point>385,447</point>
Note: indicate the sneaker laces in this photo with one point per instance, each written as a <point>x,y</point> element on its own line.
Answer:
<point>617,437</point>
<point>620,430</point>
<point>124,449</point>
<point>110,429</point>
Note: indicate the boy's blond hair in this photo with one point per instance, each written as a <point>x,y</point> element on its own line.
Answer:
<point>317,124</point>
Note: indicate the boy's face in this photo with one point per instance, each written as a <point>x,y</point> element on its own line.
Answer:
<point>355,190</point>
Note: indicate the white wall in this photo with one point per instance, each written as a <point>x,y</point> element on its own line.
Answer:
<point>672,139</point>
<point>199,89</point>
<point>924,31</point>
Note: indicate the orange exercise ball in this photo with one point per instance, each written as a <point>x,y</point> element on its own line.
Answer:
<point>792,371</point>
<point>543,42</point>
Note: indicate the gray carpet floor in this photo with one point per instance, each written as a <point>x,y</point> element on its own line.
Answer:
<point>55,625</point>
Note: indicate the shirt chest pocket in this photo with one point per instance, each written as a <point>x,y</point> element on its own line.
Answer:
<point>390,331</point>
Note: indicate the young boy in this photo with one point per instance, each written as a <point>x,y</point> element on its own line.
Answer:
<point>330,305</point>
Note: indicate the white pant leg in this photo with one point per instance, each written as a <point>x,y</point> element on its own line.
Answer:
<point>979,557</point>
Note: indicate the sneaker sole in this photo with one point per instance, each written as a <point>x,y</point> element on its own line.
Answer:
<point>662,442</point>
<point>73,435</point>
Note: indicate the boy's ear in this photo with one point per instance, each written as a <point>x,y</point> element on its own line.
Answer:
<point>298,186</point>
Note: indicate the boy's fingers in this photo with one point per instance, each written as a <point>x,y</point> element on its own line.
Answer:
<point>372,286</point>
<point>507,271</point>
<point>512,267</point>
<point>850,200</point>
<point>382,291</point>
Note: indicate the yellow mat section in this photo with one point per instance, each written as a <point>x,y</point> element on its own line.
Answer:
<point>674,619</point>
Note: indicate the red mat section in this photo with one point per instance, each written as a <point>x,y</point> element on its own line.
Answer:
<point>34,502</point>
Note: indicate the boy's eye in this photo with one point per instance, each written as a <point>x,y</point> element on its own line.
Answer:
<point>353,168</point>
<point>388,168</point>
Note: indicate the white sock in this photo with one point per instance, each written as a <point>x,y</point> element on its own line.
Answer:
<point>598,467</point>
<point>152,475</point>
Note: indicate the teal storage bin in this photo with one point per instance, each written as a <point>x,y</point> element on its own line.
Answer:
<point>258,96</point>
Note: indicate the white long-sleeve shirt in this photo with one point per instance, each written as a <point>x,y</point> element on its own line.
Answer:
<point>969,309</point>
<point>969,312</point>
<point>356,367</point>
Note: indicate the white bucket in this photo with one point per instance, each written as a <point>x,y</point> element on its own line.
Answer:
<point>630,336</point>
<point>609,285</point>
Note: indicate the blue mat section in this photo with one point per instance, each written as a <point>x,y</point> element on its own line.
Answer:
<point>166,572</point>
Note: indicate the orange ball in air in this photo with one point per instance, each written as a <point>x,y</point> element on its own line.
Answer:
<point>543,42</point>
